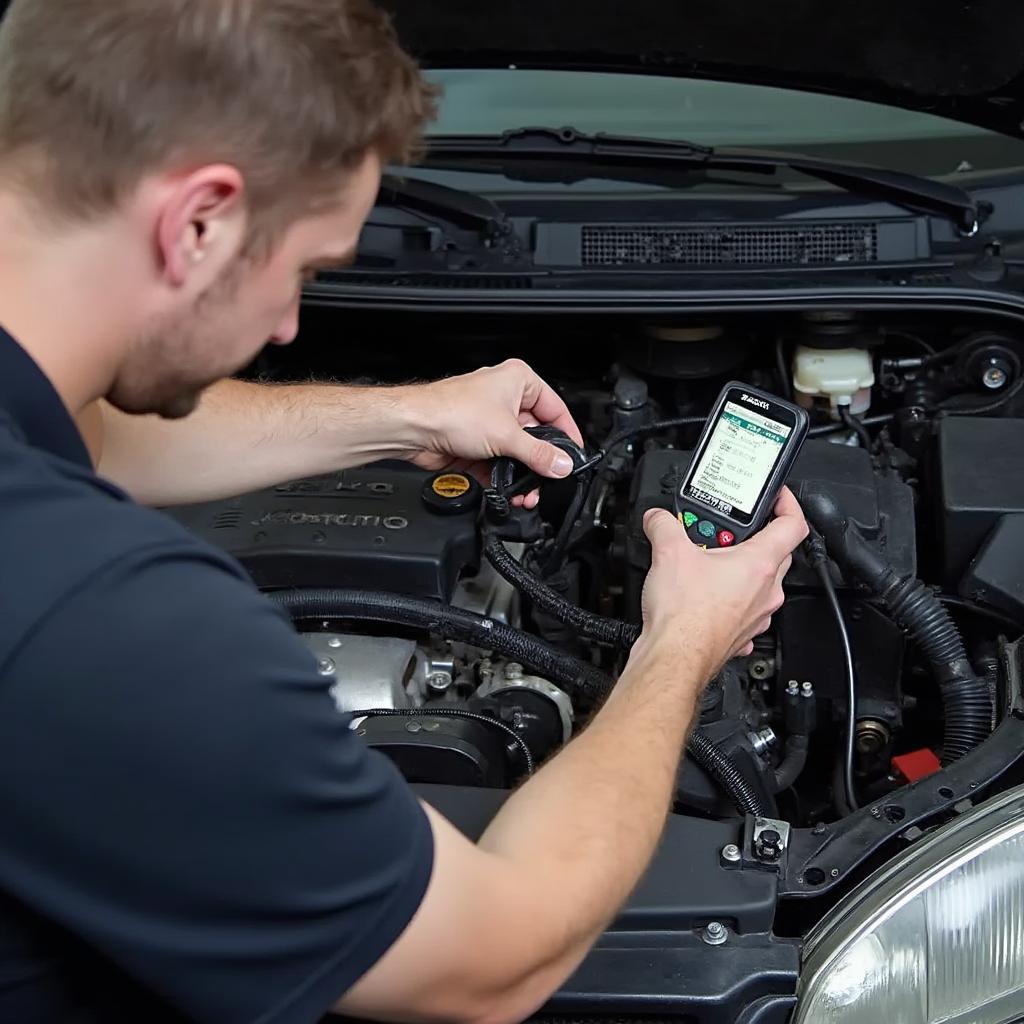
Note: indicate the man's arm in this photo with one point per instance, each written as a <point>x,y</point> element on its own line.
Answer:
<point>503,924</point>
<point>244,436</point>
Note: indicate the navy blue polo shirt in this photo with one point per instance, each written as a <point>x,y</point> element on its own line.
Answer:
<point>189,831</point>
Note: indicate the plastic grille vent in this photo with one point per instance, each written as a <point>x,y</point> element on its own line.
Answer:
<point>729,244</point>
<point>229,519</point>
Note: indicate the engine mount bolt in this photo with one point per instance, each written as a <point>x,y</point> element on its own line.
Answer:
<point>513,670</point>
<point>335,641</point>
<point>768,845</point>
<point>325,666</point>
<point>993,378</point>
<point>731,853</point>
<point>438,682</point>
<point>715,933</point>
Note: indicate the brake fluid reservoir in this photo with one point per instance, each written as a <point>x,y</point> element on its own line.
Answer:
<point>842,376</point>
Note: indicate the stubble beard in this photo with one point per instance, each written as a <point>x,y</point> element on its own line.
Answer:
<point>172,363</point>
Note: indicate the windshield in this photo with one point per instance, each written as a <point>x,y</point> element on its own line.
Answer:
<point>719,114</point>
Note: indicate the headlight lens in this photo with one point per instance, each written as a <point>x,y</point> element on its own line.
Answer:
<point>935,936</point>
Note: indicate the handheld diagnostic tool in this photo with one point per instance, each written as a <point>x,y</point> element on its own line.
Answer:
<point>742,459</point>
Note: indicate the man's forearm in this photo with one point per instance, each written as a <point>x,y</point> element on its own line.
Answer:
<point>585,828</point>
<point>245,436</point>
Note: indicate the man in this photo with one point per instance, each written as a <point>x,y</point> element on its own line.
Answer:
<point>190,831</point>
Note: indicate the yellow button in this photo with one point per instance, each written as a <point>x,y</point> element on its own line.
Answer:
<point>451,485</point>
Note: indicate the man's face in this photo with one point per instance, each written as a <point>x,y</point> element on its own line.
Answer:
<point>252,303</point>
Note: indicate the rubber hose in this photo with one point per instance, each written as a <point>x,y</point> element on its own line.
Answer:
<point>581,679</point>
<point>966,707</point>
<point>597,627</point>
<point>722,769</point>
<point>794,760</point>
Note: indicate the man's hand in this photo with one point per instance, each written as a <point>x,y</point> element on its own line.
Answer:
<point>470,420</point>
<point>713,603</point>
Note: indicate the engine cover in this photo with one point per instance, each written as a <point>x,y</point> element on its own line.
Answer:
<point>387,526</point>
<point>882,506</point>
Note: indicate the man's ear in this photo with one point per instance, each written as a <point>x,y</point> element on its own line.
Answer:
<point>201,226</point>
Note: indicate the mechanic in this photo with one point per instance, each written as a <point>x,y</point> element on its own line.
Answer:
<point>190,830</point>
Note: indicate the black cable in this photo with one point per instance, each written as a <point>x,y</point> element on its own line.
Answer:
<point>817,556</point>
<point>854,424</point>
<point>581,679</point>
<point>973,607</point>
<point>725,772</point>
<point>453,713</point>
<point>851,683</point>
<point>597,627</point>
<point>867,421</point>
<point>783,370</point>
<point>556,559</point>
<point>648,428</point>
<point>982,410</point>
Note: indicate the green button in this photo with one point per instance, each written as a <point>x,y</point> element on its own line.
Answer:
<point>706,529</point>
<point>689,519</point>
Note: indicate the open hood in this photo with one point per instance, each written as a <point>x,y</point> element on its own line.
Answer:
<point>962,59</point>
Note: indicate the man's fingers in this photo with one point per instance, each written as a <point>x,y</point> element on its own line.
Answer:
<point>786,532</point>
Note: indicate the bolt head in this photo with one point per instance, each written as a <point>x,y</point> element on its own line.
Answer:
<point>834,872</point>
<point>334,642</point>
<point>413,727</point>
<point>715,933</point>
<point>731,853</point>
<point>325,666</point>
<point>993,378</point>
<point>807,688</point>
<point>513,670</point>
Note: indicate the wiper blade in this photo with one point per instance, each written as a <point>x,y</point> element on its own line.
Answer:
<point>466,209</point>
<point>569,146</point>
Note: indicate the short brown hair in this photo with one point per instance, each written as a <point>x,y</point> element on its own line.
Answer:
<point>95,94</point>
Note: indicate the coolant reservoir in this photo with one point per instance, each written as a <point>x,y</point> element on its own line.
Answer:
<point>842,376</point>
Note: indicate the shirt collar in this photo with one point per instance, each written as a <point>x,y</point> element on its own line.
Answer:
<point>28,400</point>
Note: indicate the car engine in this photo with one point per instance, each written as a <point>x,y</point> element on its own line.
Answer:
<point>469,639</point>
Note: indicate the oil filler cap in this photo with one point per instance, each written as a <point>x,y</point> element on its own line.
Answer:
<point>451,493</point>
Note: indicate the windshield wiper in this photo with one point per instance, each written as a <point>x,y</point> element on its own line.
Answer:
<point>455,205</point>
<point>567,147</point>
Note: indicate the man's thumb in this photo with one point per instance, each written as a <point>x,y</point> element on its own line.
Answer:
<point>541,457</point>
<point>660,526</point>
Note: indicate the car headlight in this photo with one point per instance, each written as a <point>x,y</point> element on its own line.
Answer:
<point>935,936</point>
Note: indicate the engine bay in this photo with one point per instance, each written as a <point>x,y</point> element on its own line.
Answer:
<point>470,640</point>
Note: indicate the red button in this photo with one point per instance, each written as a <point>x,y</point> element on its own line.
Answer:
<point>725,538</point>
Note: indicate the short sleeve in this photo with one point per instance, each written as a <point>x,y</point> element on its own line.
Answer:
<point>182,795</point>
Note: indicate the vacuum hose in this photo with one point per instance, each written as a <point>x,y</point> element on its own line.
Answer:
<point>966,701</point>
<point>578,677</point>
<point>597,627</point>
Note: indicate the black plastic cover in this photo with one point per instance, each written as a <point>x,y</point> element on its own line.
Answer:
<point>981,478</point>
<point>882,506</point>
<point>996,576</point>
<point>366,528</point>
